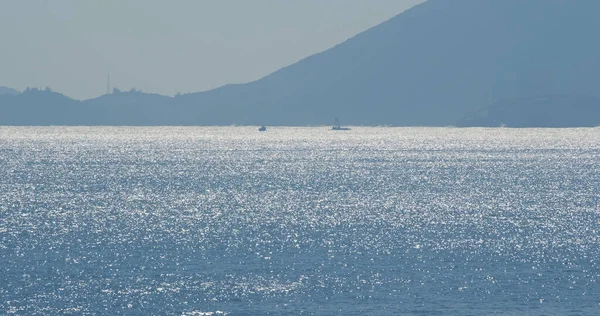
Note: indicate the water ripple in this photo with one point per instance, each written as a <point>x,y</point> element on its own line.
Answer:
<point>228,221</point>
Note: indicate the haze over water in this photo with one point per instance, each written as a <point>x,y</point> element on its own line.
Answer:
<point>230,221</point>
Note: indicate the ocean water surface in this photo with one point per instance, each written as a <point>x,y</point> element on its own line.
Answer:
<point>299,221</point>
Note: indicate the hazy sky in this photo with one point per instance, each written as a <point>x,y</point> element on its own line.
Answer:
<point>170,46</point>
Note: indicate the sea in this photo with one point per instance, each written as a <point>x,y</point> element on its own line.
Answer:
<point>299,221</point>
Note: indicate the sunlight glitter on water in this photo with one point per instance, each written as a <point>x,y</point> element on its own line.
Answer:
<point>167,220</point>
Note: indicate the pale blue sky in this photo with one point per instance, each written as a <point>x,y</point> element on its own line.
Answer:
<point>174,46</point>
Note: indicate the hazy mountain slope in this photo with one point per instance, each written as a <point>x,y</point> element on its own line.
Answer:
<point>431,65</point>
<point>427,66</point>
<point>539,111</point>
<point>131,108</point>
<point>44,107</point>
<point>6,90</point>
<point>39,107</point>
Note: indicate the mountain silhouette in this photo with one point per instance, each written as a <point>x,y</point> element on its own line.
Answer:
<point>539,111</point>
<point>9,91</point>
<point>131,108</point>
<point>431,65</point>
<point>39,107</point>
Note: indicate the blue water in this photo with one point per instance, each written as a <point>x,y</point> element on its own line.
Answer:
<point>299,221</point>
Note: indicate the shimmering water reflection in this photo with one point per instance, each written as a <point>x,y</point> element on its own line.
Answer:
<point>230,221</point>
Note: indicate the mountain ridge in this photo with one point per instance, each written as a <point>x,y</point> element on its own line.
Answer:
<point>431,65</point>
<point>492,69</point>
<point>9,91</point>
<point>550,111</point>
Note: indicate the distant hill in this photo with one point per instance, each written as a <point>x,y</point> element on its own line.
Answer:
<point>427,66</point>
<point>6,90</point>
<point>38,107</point>
<point>431,65</point>
<point>132,108</point>
<point>45,107</point>
<point>540,111</point>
